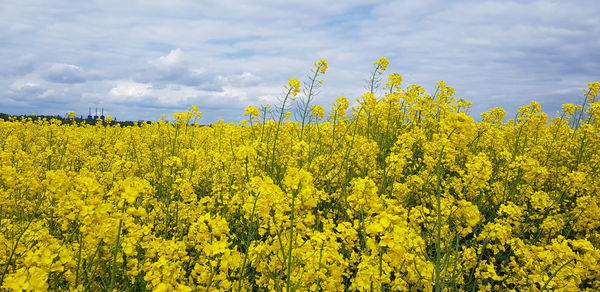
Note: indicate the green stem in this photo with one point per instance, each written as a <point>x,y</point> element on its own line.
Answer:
<point>438,223</point>
<point>555,273</point>
<point>291,245</point>
<point>13,251</point>
<point>247,244</point>
<point>279,122</point>
<point>114,251</point>
<point>308,99</point>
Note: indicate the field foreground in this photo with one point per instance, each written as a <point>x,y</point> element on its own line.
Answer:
<point>404,191</point>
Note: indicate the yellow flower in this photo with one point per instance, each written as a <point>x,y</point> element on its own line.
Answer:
<point>381,64</point>
<point>293,86</point>
<point>131,188</point>
<point>28,279</point>
<point>340,106</point>
<point>593,88</point>
<point>252,112</point>
<point>495,115</point>
<point>321,66</point>
<point>357,201</point>
<point>394,81</point>
<point>569,109</point>
<point>318,111</point>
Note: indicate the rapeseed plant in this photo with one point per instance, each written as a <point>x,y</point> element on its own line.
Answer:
<point>404,191</point>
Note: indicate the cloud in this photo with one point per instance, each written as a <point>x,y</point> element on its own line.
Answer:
<point>17,66</point>
<point>174,68</point>
<point>158,57</point>
<point>65,73</point>
<point>26,86</point>
<point>127,91</point>
<point>242,80</point>
<point>173,60</point>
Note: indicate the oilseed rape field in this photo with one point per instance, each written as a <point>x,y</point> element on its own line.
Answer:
<point>401,190</point>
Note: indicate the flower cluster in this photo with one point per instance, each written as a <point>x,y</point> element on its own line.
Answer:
<point>403,191</point>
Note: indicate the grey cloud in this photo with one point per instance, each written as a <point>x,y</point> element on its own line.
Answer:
<point>227,54</point>
<point>174,68</point>
<point>244,79</point>
<point>65,73</point>
<point>25,86</point>
<point>188,77</point>
<point>17,65</point>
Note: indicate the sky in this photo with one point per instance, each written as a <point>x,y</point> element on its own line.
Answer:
<point>141,59</point>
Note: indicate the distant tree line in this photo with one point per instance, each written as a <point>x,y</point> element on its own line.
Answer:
<point>66,119</point>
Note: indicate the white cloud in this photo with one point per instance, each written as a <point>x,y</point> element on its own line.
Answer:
<point>268,100</point>
<point>25,85</point>
<point>129,89</point>
<point>172,60</point>
<point>223,55</point>
<point>242,79</point>
<point>65,73</point>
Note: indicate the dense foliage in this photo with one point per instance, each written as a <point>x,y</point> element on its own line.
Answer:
<point>70,118</point>
<point>404,191</point>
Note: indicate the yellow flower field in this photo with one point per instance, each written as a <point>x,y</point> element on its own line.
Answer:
<point>404,191</point>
